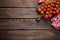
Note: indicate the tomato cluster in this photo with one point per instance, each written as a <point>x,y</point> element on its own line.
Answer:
<point>49,9</point>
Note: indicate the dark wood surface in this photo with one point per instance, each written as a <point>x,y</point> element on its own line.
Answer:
<point>23,24</point>
<point>18,3</point>
<point>17,22</point>
<point>17,13</point>
<point>30,35</point>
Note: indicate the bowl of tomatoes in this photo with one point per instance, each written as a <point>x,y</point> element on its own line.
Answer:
<point>49,9</point>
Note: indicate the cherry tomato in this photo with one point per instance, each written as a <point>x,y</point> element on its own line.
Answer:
<point>54,12</point>
<point>57,11</point>
<point>44,10</point>
<point>39,10</point>
<point>46,16</point>
<point>53,5</point>
<point>47,12</point>
<point>48,9</point>
<point>42,7</point>
<point>54,8</point>
<point>50,15</point>
<point>48,2</point>
<point>49,6</point>
<point>43,4</point>
<point>56,2</point>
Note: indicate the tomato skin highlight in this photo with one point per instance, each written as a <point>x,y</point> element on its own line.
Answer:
<point>54,8</point>
<point>49,6</point>
<point>57,2</point>
<point>54,12</point>
<point>40,1</point>
<point>47,12</point>
<point>46,16</point>
<point>39,10</point>
<point>44,10</point>
<point>57,11</point>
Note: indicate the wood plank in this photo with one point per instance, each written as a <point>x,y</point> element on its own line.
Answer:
<point>23,24</point>
<point>17,13</point>
<point>29,35</point>
<point>18,3</point>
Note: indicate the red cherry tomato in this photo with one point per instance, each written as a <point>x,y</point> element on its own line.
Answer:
<point>44,10</point>
<point>53,5</point>
<point>48,9</point>
<point>56,2</point>
<point>42,7</point>
<point>39,10</point>
<point>49,6</point>
<point>46,16</point>
<point>48,2</point>
<point>50,15</point>
<point>54,12</point>
<point>57,11</point>
<point>54,8</point>
<point>43,4</point>
<point>42,1</point>
<point>47,12</point>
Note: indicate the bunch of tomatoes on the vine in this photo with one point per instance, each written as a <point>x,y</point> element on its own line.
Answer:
<point>49,9</point>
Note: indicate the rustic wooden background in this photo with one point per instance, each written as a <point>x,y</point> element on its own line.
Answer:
<point>17,22</point>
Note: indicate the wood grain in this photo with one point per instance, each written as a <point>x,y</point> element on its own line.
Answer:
<point>17,22</point>
<point>18,13</point>
<point>23,24</point>
<point>29,35</point>
<point>18,3</point>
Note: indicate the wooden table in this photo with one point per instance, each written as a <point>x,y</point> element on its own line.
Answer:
<point>17,22</point>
